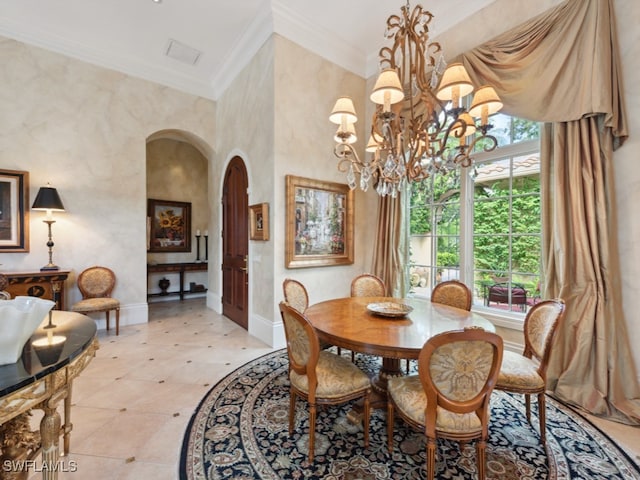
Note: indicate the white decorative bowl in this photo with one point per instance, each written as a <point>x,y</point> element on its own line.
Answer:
<point>19,318</point>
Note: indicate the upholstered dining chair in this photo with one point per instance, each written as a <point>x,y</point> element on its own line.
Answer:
<point>295,294</point>
<point>453,293</point>
<point>4,282</point>
<point>526,373</point>
<point>318,376</point>
<point>96,285</point>
<point>368,285</point>
<point>449,398</point>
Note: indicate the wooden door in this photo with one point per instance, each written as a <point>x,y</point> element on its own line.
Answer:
<point>235,243</point>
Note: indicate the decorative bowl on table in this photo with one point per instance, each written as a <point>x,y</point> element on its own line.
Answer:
<point>390,309</point>
<point>19,318</point>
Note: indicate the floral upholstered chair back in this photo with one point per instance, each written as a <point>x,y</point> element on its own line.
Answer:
<point>302,343</point>
<point>452,293</point>
<point>540,326</point>
<point>4,282</point>
<point>295,294</point>
<point>368,285</point>
<point>458,371</point>
<point>96,282</point>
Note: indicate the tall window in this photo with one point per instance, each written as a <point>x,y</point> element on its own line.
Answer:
<point>482,225</point>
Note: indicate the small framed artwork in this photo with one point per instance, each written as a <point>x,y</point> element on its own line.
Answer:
<point>169,226</point>
<point>14,211</point>
<point>319,223</point>
<point>259,221</point>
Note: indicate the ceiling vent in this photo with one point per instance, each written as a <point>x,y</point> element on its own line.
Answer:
<point>183,53</point>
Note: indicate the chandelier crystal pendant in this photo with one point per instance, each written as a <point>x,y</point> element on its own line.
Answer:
<point>419,127</point>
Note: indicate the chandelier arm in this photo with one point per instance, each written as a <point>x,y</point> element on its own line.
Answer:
<point>491,143</point>
<point>347,156</point>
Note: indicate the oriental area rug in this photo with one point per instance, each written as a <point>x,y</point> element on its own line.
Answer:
<point>240,431</point>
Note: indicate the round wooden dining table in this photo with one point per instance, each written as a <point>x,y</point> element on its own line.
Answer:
<point>349,323</point>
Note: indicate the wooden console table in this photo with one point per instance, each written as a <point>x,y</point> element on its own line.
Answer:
<point>39,284</point>
<point>180,268</point>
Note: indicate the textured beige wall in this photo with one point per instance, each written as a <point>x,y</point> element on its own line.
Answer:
<point>177,171</point>
<point>84,129</point>
<point>275,116</point>
<point>627,173</point>
<point>245,119</point>
<point>307,87</point>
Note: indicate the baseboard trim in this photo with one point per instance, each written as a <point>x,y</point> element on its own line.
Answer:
<point>132,314</point>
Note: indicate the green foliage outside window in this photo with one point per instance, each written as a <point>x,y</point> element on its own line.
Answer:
<point>492,218</point>
<point>506,213</point>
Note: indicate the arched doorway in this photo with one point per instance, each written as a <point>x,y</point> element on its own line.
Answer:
<point>177,170</point>
<point>235,243</point>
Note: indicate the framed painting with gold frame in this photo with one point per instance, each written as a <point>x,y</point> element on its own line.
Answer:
<point>14,211</point>
<point>319,223</point>
<point>259,221</point>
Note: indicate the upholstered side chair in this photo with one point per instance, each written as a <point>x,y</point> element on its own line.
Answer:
<point>526,373</point>
<point>318,376</point>
<point>453,293</point>
<point>4,282</point>
<point>449,398</point>
<point>96,285</point>
<point>295,294</point>
<point>368,285</point>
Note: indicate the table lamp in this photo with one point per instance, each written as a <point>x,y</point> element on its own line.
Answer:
<point>49,201</point>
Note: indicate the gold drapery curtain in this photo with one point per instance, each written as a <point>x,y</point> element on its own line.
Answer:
<point>391,241</point>
<point>563,67</point>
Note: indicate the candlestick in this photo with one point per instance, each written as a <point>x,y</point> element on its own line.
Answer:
<point>206,246</point>
<point>198,246</point>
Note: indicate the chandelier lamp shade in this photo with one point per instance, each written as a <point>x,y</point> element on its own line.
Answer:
<point>49,201</point>
<point>421,125</point>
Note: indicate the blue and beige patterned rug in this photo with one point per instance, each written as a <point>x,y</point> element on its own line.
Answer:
<point>240,431</point>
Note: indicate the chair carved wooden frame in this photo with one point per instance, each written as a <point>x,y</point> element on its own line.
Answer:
<point>450,396</point>
<point>320,377</point>
<point>527,373</point>
<point>295,294</point>
<point>453,293</point>
<point>96,285</point>
<point>368,285</point>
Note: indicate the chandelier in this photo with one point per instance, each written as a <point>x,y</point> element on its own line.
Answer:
<point>420,126</point>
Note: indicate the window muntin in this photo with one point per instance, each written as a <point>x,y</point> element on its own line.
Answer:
<point>484,227</point>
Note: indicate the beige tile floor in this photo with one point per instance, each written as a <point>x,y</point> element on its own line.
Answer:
<point>133,402</point>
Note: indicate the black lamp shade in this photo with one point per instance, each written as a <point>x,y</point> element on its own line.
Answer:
<point>48,199</point>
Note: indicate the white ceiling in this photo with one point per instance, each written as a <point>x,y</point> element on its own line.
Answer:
<point>132,36</point>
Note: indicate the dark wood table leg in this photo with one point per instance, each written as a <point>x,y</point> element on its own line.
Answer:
<point>390,368</point>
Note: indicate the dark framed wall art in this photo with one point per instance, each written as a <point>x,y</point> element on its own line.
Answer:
<point>169,226</point>
<point>14,211</point>
<point>259,221</point>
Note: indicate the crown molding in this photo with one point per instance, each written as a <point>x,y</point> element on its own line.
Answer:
<point>320,41</point>
<point>258,32</point>
<point>146,71</point>
<point>274,17</point>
